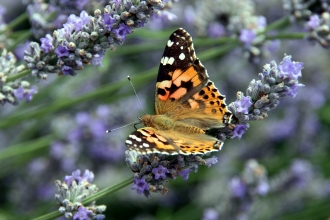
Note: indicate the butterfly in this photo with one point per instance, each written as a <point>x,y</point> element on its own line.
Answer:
<point>186,105</point>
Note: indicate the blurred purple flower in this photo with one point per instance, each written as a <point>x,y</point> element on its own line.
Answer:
<point>262,188</point>
<point>243,104</point>
<point>82,118</point>
<point>237,187</point>
<point>247,36</point>
<point>88,176</point>
<point>67,70</point>
<point>19,50</point>
<point>261,22</point>
<point>293,90</point>
<point>140,185</point>
<point>103,111</point>
<point>82,214</point>
<point>302,173</point>
<point>97,59</point>
<point>216,29</point>
<point>160,172</point>
<point>211,161</point>
<point>185,173</point>
<point>20,93</point>
<point>210,214</point>
<point>314,21</point>
<point>97,127</point>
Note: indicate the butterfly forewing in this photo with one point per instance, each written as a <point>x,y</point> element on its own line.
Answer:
<point>180,74</point>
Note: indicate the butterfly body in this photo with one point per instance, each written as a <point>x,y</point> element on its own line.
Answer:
<point>186,105</point>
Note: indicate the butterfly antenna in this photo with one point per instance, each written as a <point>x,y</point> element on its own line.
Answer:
<point>134,122</point>
<point>129,79</point>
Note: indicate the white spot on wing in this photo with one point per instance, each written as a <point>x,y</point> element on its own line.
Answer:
<point>181,47</point>
<point>170,43</point>
<point>164,60</point>
<point>182,56</point>
<point>171,61</point>
<point>177,43</point>
<point>145,145</point>
<point>128,142</point>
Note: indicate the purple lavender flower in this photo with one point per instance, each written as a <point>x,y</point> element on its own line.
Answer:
<point>82,118</point>
<point>290,69</point>
<point>46,43</point>
<point>88,176</point>
<point>19,50</point>
<point>239,131</point>
<point>97,59</point>
<point>121,32</point>
<point>160,172</point>
<point>108,21</point>
<point>293,90</point>
<point>21,93</point>
<point>67,70</point>
<point>185,173</point>
<point>210,214</point>
<point>62,51</point>
<point>314,21</point>
<point>237,187</point>
<point>82,214</point>
<point>262,188</point>
<point>215,30</point>
<point>247,36</point>
<point>140,185</point>
<point>211,161</point>
<point>29,94</point>
<point>243,104</point>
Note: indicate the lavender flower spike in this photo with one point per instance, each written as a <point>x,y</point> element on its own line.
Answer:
<point>72,191</point>
<point>152,171</point>
<point>84,38</point>
<point>14,91</point>
<point>263,95</point>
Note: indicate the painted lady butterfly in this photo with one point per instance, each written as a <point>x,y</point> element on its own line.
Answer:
<point>186,105</point>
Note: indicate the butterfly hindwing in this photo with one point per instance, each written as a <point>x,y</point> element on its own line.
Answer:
<point>149,140</point>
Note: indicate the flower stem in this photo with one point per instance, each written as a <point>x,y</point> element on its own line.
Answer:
<point>287,36</point>
<point>26,147</point>
<point>278,24</point>
<point>107,191</point>
<point>15,22</point>
<point>19,75</point>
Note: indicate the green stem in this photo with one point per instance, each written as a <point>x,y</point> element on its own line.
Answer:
<point>19,75</point>
<point>23,37</point>
<point>15,22</point>
<point>96,196</point>
<point>26,147</point>
<point>287,36</point>
<point>280,23</point>
<point>108,191</point>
